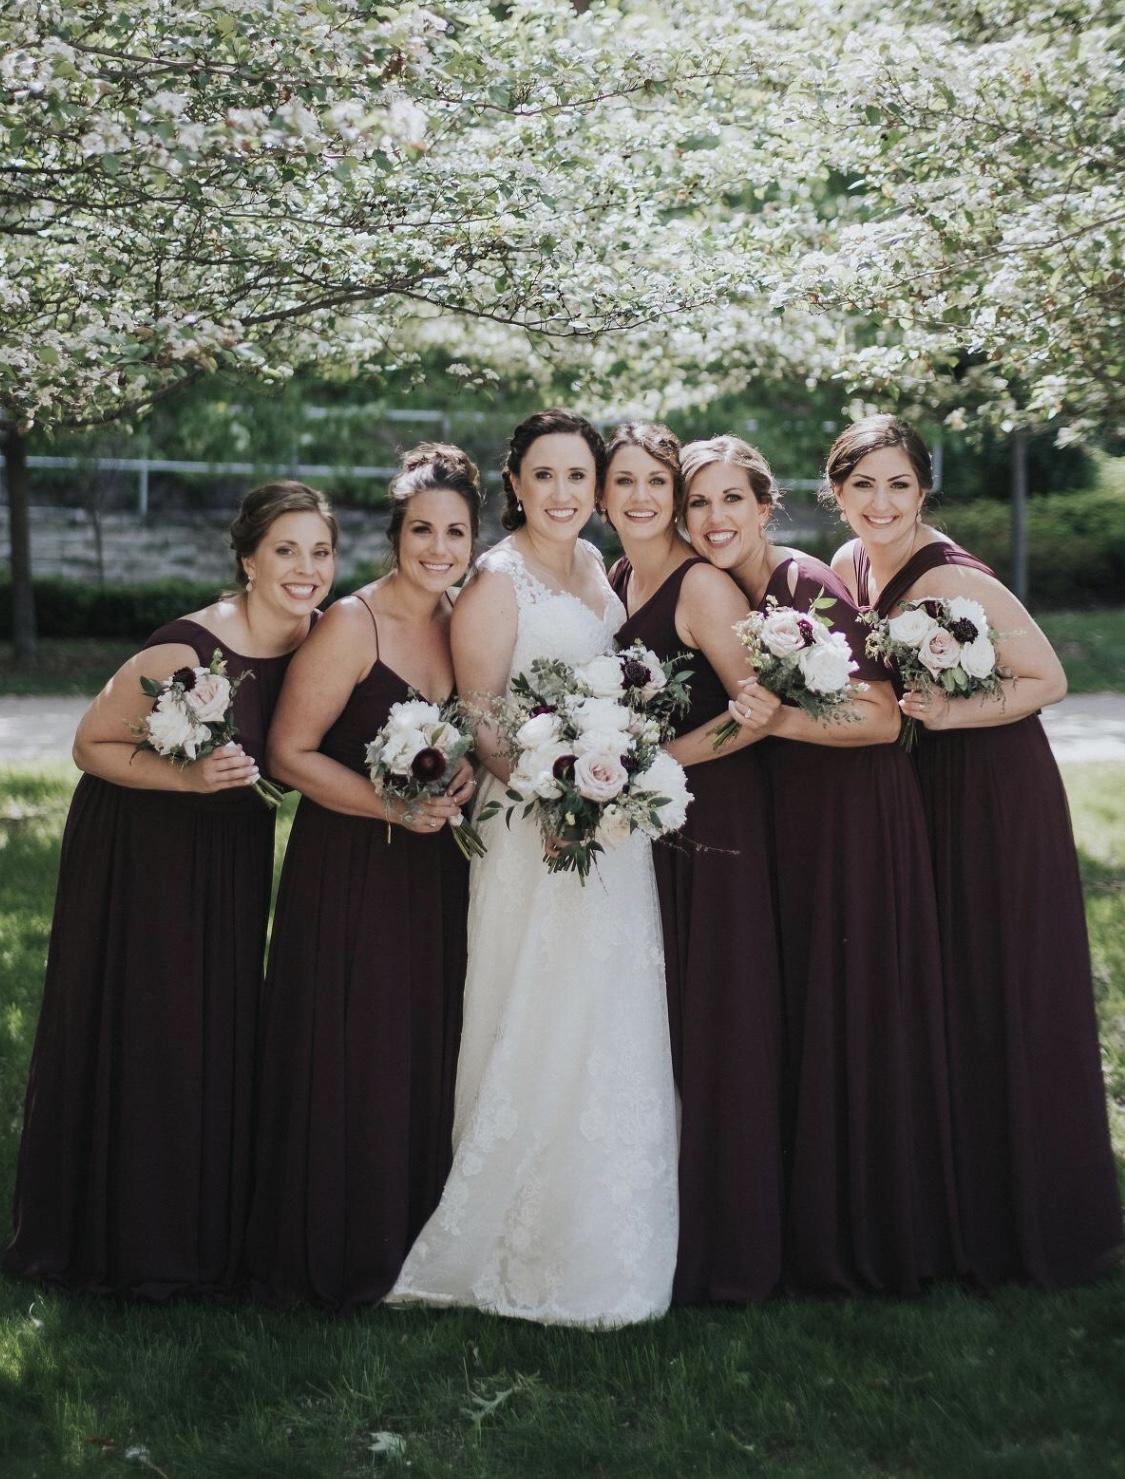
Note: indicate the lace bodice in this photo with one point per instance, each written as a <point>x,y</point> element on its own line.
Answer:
<point>553,623</point>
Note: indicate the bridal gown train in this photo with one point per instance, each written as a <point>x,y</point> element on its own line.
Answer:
<point>561,1204</point>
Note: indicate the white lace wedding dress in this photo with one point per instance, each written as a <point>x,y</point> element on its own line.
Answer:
<point>561,1205</point>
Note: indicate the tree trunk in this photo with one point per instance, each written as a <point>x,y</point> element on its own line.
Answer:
<point>1019,514</point>
<point>19,525</point>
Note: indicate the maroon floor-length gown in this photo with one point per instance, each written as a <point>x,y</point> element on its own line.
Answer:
<point>1035,1175</point>
<point>866,1126</point>
<point>724,994</point>
<point>361,1023</point>
<point>133,1167</point>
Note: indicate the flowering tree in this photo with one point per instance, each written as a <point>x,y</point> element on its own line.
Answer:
<point>658,205</point>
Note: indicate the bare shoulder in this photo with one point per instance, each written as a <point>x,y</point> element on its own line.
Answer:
<point>489,592</point>
<point>593,553</point>
<point>706,586</point>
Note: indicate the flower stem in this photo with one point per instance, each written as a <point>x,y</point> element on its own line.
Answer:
<point>270,794</point>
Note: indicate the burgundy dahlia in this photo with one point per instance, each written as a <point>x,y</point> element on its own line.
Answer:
<point>634,674</point>
<point>964,629</point>
<point>185,677</point>
<point>428,765</point>
<point>563,768</point>
<point>805,627</point>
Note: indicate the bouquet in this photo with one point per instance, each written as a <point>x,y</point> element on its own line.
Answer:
<point>194,715</point>
<point>415,754</point>
<point>797,656</point>
<point>584,743</point>
<point>939,642</point>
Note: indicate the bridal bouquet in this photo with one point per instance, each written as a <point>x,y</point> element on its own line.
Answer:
<point>584,743</point>
<point>796,655</point>
<point>939,642</point>
<point>194,715</point>
<point>415,754</point>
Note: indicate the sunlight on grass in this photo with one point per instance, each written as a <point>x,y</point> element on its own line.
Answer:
<point>949,1386</point>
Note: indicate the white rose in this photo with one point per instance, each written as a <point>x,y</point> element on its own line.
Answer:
<point>600,775</point>
<point>826,666</point>
<point>962,609</point>
<point>613,826</point>
<point>444,737</point>
<point>173,729</point>
<point>540,730</point>
<point>210,698</point>
<point>609,741</point>
<point>911,627</point>
<point>978,658</point>
<point>602,676</point>
<point>401,747</point>
<point>939,650</point>
<point>664,777</point>
<point>600,714</point>
<point>537,770</point>
<point>414,713</point>
<point>781,634</point>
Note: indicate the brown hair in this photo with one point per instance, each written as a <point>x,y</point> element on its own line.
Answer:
<point>530,429</point>
<point>734,452</point>
<point>262,506</point>
<point>873,434</point>
<point>660,443</point>
<point>433,465</point>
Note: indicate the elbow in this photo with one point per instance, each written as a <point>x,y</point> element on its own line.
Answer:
<point>1056,687</point>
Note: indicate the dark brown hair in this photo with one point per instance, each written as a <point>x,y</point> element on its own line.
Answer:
<point>660,443</point>
<point>433,465</point>
<point>873,434</point>
<point>544,424</point>
<point>734,452</point>
<point>262,506</point>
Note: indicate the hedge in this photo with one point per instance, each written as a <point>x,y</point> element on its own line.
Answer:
<point>1076,559</point>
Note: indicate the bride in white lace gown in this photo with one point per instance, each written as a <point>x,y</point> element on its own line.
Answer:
<point>561,1204</point>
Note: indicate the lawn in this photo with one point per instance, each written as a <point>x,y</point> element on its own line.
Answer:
<point>1090,643</point>
<point>1022,1384</point>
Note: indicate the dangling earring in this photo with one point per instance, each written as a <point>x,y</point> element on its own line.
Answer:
<point>249,584</point>
<point>519,506</point>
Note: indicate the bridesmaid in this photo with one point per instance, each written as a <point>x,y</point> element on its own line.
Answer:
<point>134,1163</point>
<point>362,1010</point>
<point>1035,1175</point>
<point>716,896</point>
<point>869,1185</point>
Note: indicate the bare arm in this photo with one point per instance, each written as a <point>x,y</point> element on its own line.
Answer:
<point>335,656</point>
<point>484,637</point>
<point>104,743</point>
<point>1038,677</point>
<point>709,606</point>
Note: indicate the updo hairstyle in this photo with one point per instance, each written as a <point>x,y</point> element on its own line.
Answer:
<point>543,424</point>
<point>873,434</point>
<point>432,465</point>
<point>734,452</point>
<point>262,506</point>
<point>660,443</point>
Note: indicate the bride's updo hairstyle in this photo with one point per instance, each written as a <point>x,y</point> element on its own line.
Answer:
<point>873,434</point>
<point>545,424</point>
<point>734,452</point>
<point>261,507</point>
<point>660,443</point>
<point>433,465</point>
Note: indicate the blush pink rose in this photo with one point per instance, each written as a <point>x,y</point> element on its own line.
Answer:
<point>210,698</point>
<point>599,775</point>
<point>938,651</point>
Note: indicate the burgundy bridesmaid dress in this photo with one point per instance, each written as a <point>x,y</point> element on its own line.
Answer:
<point>134,1163</point>
<point>361,1023</point>
<point>724,995</point>
<point>1035,1175</point>
<point>868,1148</point>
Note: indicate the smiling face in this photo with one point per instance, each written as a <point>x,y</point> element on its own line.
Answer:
<point>639,497</point>
<point>881,497</point>
<point>556,484</point>
<point>435,542</point>
<point>293,565</point>
<point>725,522</point>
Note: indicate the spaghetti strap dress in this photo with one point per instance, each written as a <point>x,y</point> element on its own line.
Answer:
<point>1036,1185</point>
<point>870,1203</point>
<point>134,1163</point>
<point>361,1021</point>
<point>722,970</point>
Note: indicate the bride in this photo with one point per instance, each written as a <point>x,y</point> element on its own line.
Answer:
<point>561,1204</point>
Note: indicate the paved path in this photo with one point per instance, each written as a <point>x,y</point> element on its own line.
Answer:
<point>1089,726</point>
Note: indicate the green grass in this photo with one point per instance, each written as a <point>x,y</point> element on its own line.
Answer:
<point>949,1386</point>
<point>1090,643</point>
